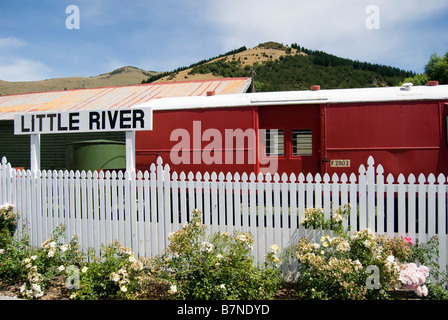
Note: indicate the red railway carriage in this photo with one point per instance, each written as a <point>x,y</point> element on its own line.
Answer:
<point>183,138</point>
<point>326,131</point>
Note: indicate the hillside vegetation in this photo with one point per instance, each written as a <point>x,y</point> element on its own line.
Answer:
<point>272,65</point>
<point>276,67</point>
<point>435,70</point>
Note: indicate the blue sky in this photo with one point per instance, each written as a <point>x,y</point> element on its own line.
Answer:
<point>163,35</point>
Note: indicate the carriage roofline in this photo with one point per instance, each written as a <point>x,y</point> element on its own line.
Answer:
<point>407,92</point>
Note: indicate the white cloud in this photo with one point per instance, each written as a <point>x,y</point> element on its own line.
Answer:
<point>14,67</point>
<point>20,69</point>
<point>10,43</point>
<point>284,20</point>
<point>336,27</point>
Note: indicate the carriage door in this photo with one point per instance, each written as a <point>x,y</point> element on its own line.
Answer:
<point>443,153</point>
<point>292,136</point>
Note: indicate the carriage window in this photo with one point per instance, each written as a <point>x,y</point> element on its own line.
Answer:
<point>274,142</point>
<point>302,143</point>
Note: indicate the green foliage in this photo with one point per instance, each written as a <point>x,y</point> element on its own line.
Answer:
<point>220,68</point>
<point>314,218</point>
<point>219,266</point>
<point>437,68</point>
<point>400,247</point>
<point>11,256</point>
<point>344,266</point>
<point>39,266</point>
<point>417,80</point>
<point>113,274</point>
<point>12,251</point>
<point>328,60</point>
<point>428,254</point>
<point>299,72</point>
<point>156,77</point>
<point>195,266</point>
<point>8,224</point>
<point>198,264</point>
<point>340,267</point>
<point>164,74</point>
<point>273,45</point>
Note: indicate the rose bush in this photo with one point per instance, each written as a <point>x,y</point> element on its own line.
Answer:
<point>46,262</point>
<point>336,268</point>
<point>219,266</point>
<point>359,265</point>
<point>200,265</point>
<point>114,273</point>
<point>8,224</point>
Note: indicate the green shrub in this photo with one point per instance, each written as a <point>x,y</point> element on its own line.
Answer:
<point>113,274</point>
<point>8,224</point>
<point>11,256</point>
<point>361,265</point>
<point>219,266</point>
<point>347,266</point>
<point>41,265</point>
<point>428,254</point>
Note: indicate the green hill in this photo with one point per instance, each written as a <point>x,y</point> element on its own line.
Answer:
<point>120,77</point>
<point>283,68</point>
<point>273,66</point>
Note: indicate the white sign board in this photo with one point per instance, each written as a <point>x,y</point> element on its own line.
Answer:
<point>83,121</point>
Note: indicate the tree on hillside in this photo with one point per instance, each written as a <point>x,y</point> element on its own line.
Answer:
<point>435,69</point>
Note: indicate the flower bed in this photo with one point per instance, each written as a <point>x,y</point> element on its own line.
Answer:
<point>195,265</point>
<point>360,265</point>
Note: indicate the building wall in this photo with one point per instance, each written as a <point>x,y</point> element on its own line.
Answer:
<point>16,148</point>
<point>201,138</point>
<point>404,137</point>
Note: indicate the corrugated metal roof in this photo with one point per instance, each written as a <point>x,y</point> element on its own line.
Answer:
<point>115,97</point>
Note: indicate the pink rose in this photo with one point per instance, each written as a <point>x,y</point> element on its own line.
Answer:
<point>424,270</point>
<point>413,278</point>
<point>422,291</point>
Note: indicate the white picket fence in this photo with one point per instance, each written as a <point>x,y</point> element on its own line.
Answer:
<point>140,210</point>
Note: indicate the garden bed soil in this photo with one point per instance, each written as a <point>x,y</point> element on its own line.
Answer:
<point>58,291</point>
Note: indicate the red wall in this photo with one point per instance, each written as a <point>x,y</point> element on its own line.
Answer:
<point>404,137</point>
<point>151,144</point>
